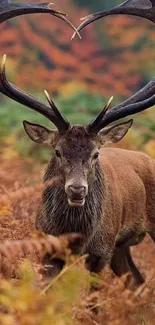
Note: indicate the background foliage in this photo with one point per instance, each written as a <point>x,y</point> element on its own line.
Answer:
<point>115,57</point>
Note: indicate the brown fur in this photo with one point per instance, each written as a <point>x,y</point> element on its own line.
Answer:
<point>130,179</point>
<point>119,207</point>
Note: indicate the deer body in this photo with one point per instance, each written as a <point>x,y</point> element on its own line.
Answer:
<point>105,194</point>
<point>131,175</point>
<point>119,210</point>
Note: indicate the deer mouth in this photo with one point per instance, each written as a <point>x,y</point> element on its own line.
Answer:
<point>76,203</point>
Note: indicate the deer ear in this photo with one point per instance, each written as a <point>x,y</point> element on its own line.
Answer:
<point>113,134</point>
<point>40,134</point>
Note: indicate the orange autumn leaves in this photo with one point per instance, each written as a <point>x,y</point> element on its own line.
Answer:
<point>115,55</point>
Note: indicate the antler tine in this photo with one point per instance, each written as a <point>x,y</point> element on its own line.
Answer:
<point>55,110</point>
<point>143,99</point>
<point>23,98</point>
<point>8,11</point>
<point>116,114</point>
<point>91,127</point>
<point>140,8</point>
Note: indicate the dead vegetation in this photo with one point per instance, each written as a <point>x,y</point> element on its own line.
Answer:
<point>27,298</point>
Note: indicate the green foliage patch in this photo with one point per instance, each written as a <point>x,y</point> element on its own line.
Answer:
<point>79,108</point>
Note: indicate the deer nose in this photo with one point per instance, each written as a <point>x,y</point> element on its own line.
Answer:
<point>77,191</point>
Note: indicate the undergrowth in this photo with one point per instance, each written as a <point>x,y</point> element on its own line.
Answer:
<point>69,300</point>
<point>24,302</point>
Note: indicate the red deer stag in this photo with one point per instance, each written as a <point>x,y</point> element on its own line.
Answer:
<point>140,8</point>
<point>9,10</point>
<point>105,194</point>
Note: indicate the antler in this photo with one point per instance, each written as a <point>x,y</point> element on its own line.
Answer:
<point>145,97</point>
<point>140,8</point>
<point>9,10</point>
<point>51,113</point>
<point>140,101</point>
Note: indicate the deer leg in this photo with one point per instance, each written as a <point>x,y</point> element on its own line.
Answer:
<point>100,251</point>
<point>119,263</point>
<point>122,263</point>
<point>95,263</point>
<point>52,267</point>
<point>135,272</point>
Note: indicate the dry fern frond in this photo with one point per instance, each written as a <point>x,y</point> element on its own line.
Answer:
<point>21,193</point>
<point>26,192</point>
<point>11,250</point>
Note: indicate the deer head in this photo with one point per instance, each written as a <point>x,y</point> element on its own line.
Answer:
<point>76,147</point>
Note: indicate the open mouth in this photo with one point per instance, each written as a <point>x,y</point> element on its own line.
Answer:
<point>77,203</point>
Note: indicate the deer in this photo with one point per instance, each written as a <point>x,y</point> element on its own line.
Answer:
<point>10,10</point>
<point>104,193</point>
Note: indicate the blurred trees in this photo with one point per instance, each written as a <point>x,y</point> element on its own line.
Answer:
<point>115,57</point>
<point>116,54</point>
<point>97,5</point>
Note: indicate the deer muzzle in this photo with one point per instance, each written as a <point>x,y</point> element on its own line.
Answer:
<point>76,195</point>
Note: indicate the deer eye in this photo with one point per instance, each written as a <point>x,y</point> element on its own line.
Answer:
<point>95,156</point>
<point>58,154</point>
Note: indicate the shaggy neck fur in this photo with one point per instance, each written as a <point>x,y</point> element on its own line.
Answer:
<point>60,217</point>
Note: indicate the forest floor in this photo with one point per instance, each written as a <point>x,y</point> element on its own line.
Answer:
<point>110,304</point>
